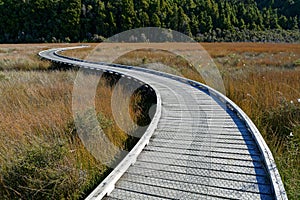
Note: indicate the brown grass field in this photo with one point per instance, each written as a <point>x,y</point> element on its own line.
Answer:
<point>42,157</point>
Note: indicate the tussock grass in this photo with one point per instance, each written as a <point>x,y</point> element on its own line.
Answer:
<point>39,151</point>
<point>271,100</point>
<point>23,57</point>
<point>41,155</point>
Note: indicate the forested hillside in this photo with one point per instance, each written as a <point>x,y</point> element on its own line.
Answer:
<point>206,20</point>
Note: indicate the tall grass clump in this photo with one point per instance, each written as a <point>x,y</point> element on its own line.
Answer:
<point>24,57</point>
<point>282,130</point>
<point>271,100</point>
<point>41,155</point>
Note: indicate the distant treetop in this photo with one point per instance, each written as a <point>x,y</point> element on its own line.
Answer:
<point>93,20</point>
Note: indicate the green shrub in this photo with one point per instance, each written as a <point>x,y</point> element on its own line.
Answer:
<point>297,63</point>
<point>39,173</point>
<point>283,120</point>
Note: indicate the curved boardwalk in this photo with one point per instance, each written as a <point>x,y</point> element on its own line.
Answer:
<point>199,145</point>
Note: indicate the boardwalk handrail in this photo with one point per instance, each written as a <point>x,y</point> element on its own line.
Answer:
<point>108,184</point>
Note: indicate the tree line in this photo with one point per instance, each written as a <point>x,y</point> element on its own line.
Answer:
<point>94,20</point>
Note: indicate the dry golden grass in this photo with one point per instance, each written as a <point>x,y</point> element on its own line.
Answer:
<point>37,133</point>
<point>228,56</point>
<point>41,155</point>
<point>224,49</point>
<point>271,99</point>
<point>241,58</point>
<point>24,56</point>
<point>36,124</point>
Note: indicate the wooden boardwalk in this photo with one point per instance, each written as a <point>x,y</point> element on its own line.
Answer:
<point>199,145</point>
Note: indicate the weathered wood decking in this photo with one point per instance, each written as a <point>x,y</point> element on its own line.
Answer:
<point>200,145</point>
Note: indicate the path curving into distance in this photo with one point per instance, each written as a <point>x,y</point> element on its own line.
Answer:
<point>199,145</point>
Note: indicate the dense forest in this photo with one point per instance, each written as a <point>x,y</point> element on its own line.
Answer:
<point>94,20</point>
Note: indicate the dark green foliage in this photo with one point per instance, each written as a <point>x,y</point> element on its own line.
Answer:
<point>245,35</point>
<point>289,8</point>
<point>36,174</point>
<point>284,120</point>
<point>39,20</point>
<point>144,107</point>
<point>90,20</point>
